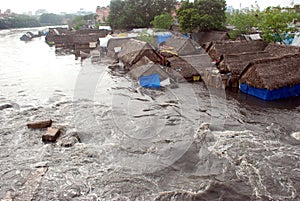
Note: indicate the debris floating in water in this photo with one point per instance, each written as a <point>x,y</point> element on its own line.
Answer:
<point>40,124</point>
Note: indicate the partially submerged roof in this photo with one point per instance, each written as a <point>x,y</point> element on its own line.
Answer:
<point>183,46</point>
<point>236,63</point>
<point>216,49</point>
<point>280,50</point>
<point>134,50</point>
<point>149,69</point>
<point>210,36</point>
<point>114,44</point>
<point>273,73</point>
<point>191,65</point>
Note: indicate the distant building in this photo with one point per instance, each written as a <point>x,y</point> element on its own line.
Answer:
<point>7,12</point>
<point>229,9</point>
<point>41,11</point>
<point>102,13</point>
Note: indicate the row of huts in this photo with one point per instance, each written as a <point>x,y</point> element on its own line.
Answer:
<point>267,71</point>
<point>81,42</point>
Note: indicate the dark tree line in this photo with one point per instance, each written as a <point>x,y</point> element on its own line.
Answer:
<point>19,21</point>
<point>202,15</point>
<point>127,14</point>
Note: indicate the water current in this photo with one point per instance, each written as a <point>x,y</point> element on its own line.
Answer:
<point>121,142</point>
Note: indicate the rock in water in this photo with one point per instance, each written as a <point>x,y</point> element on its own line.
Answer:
<point>40,124</point>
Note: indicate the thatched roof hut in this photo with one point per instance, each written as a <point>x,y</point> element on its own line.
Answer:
<point>149,69</point>
<point>183,46</point>
<point>272,78</point>
<point>114,46</point>
<point>134,50</point>
<point>101,33</point>
<point>216,49</point>
<point>205,37</point>
<point>191,65</point>
<point>85,38</point>
<point>236,63</point>
<point>280,50</point>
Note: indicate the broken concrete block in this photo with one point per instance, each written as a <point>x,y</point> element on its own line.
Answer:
<point>51,135</point>
<point>41,124</point>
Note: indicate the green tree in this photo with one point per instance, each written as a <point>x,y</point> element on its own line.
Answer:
<point>202,15</point>
<point>116,14</point>
<point>274,23</point>
<point>163,21</point>
<point>51,19</point>
<point>19,21</point>
<point>129,14</point>
<point>243,22</point>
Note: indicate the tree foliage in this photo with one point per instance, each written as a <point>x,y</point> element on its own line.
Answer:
<point>127,14</point>
<point>274,23</point>
<point>51,19</point>
<point>163,21</point>
<point>202,15</point>
<point>19,21</point>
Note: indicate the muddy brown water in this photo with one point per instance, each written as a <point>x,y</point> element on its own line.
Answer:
<point>121,142</point>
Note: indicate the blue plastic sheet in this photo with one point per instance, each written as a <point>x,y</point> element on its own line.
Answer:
<point>163,37</point>
<point>283,92</point>
<point>150,81</point>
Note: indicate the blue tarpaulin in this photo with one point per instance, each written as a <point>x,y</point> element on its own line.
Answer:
<point>163,37</point>
<point>150,81</point>
<point>283,92</point>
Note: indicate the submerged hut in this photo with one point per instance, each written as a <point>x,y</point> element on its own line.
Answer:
<point>206,37</point>
<point>114,46</point>
<point>280,50</point>
<point>149,69</point>
<point>182,46</point>
<point>272,78</point>
<point>134,50</point>
<point>191,67</point>
<point>216,49</point>
<point>236,63</point>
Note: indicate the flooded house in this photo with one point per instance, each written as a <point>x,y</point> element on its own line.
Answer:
<point>279,50</point>
<point>149,69</point>
<point>217,49</point>
<point>204,38</point>
<point>114,46</point>
<point>182,46</point>
<point>86,40</point>
<point>134,50</point>
<point>191,67</point>
<point>234,64</point>
<point>272,78</point>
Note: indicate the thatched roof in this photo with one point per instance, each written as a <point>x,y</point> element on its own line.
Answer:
<point>134,50</point>
<point>216,49</point>
<point>183,46</point>
<point>101,33</point>
<point>185,69</point>
<point>85,38</point>
<point>149,69</point>
<point>273,73</point>
<point>236,63</point>
<point>115,43</point>
<point>210,36</point>
<point>191,65</point>
<point>280,50</point>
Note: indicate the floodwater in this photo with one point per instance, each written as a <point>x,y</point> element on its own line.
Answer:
<point>122,142</point>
